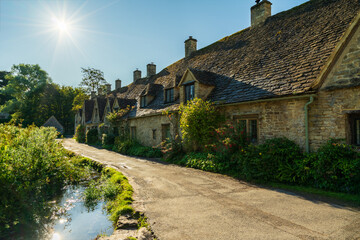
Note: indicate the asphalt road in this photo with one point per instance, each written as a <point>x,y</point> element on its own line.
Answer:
<point>184,203</point>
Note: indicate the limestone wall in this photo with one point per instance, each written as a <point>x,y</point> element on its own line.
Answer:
<point>328,114</point>
<point>284,118</point>
<point>145,126</point>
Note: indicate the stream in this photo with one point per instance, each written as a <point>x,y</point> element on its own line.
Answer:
<point>76,221</point>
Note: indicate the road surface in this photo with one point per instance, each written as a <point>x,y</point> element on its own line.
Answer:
<point>184,203</point>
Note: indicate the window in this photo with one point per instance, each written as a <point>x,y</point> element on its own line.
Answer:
<point>154,133</point>
<point>249,125</point>
<point>354,128</point>
<point>166,131</point>
<point>133,132</point>
<point>169,95</point>
<point>143,101</point>
<point>189,92</point>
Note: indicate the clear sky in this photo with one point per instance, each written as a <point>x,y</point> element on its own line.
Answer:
<point>114,36</point>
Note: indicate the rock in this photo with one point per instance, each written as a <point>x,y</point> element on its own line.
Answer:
<point>144,234</point>
<point>127,222</point>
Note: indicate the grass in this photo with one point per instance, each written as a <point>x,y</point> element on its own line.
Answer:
<point>342,197</point>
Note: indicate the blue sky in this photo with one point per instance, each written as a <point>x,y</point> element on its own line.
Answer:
<point>115,36</point>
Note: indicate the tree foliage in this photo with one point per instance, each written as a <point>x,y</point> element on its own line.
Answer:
<point>34,98</point>
<point>92,79</point>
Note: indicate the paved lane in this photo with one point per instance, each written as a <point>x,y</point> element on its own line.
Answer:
<point>183,203</point>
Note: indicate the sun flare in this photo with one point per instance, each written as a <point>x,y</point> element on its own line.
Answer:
<point>61,25</point>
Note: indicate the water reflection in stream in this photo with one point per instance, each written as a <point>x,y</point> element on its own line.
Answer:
<point>76,222</point>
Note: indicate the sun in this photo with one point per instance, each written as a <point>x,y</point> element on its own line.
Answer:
<point>61,25</point>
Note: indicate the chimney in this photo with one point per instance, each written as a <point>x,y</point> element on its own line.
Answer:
<point>260,12</point>
<point>137,74</point>
<point>108,87</point>
<point>151,69</point>
<point>190,46</point>
<point>93,95</point>
<point>117,84</point>
<point>100,91</point>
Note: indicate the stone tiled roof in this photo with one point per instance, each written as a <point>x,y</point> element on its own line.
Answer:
<point>53,122</point>
<point>281,57</point>
<point>89,107</point>
<point>101,104</point>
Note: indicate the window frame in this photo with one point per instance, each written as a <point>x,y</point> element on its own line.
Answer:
<point>354,129</point>
<point>249,119</point>
<point>169,98</point>
<point>143,102</point>
<point>189,94</point>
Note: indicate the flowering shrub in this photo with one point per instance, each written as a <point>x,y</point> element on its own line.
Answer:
<point>172,148</point>
<point>198,119</point>
<point>228,139</point>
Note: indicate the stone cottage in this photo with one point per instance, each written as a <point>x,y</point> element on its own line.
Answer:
<point>295,74</point>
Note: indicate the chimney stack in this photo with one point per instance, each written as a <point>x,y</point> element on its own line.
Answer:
<point>117,84</point>
<point>100,91</point>
<point>108,87</point>
<point>93,95</point>
<point>190,46</point>
<point>137,74</point>
<point>260,12</point>
<point>151,69</point>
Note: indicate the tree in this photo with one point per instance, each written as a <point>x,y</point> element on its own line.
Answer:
<point>25,84</point>
<point>79,100</point>
<point>3,83</point>
<point>92,79</point>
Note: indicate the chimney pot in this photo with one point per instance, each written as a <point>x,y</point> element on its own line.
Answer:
<point>137,74</point>
<point>190,46</point>
<point>260,12</point>
<point>117,84</point>
<point>108,88</point>
<point>151,69</point>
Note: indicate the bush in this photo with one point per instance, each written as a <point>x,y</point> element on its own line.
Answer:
<point>203,161</point>
<point>107,139</point>
<point>80,134</point>
<point>172,149</point>
<point>133,148</point>
<point>92,136</point>
<point>336,167</point>
<point>279,159</point>
<point>198,119</point>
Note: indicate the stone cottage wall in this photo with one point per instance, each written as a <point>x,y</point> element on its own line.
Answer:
<point>328,115</point>
<point>146,125</point>
<point>283,118</point>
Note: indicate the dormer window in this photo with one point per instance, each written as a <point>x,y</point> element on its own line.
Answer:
<point>189,92</point>
<point>143,101</point>
<point>169,95</point>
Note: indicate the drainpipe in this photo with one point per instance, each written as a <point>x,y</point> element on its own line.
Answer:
<point>307,146</point>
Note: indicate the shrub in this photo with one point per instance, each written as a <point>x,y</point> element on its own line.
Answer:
<point>336,167</point>
<point>172,149</point>
<point>198,119</point>
<point>228,139</point>
<point>92,136</point>
<point>203,161</point>
<point>80,134</point>
<point>279,157</point>
<point>133,148</point>
<point>107,139</point>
